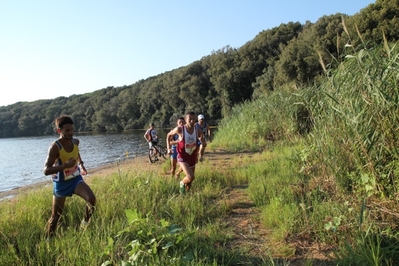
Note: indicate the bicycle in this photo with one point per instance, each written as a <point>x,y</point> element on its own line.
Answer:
<point>157,149</point>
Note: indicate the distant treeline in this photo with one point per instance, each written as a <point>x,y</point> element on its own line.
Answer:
<point>290,54</point>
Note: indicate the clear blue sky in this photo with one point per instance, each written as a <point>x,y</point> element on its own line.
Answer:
<point>59,48</point>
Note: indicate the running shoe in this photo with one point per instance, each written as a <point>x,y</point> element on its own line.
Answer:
<point>182,188</point>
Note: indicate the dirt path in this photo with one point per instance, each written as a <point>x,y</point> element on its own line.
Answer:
<point>248,232</point>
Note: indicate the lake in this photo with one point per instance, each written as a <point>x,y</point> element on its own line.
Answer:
<point>22,160</point>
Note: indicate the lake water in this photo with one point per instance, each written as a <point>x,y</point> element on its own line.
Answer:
<point>22,159</point>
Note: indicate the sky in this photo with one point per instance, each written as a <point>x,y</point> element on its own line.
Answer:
<point>53,48</point>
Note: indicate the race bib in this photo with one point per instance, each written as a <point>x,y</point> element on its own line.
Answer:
<point>190,148</point>
<point>71,172</point>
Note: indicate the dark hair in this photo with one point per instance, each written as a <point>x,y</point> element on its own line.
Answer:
<point>180,118</point>
<point>190,113</point>
<point>63,120</point>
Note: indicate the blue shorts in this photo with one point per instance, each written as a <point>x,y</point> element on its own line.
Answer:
<point>174,152</point>
<point>66,188</point>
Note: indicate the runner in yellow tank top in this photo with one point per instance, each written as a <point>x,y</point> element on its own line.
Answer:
<point>64,163</point>
<point>64,156</point>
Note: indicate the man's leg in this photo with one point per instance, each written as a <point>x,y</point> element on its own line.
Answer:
<point>56,212</point>
<point>83,190</point>
<point>201,153</point>
<point>179,172</point>
<point>154,148</point>
<point>189,175</point>
<point>173,162</point>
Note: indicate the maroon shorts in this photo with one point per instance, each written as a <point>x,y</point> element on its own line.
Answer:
<point>190,159</point>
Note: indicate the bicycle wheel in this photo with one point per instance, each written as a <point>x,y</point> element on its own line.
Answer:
<point>151,155</point>
<point>163,151</point>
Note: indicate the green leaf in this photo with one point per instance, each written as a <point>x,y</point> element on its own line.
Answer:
<point>132,216</point>
<point>109,246</point>
<point>368,188</point>
<point>365,178</point>
<point>126,230</point>
<point>164,223</point>
<point>328,226</point>
<point>188,256</point>
<point>174,229</point>
<point>168,245</point>
<point>337,220</point>
<point>151,241</point>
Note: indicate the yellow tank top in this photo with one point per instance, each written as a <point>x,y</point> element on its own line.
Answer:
<point>67,173</point>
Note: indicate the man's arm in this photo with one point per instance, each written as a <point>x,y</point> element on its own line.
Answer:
<point>146,136</point>
<point>80,161</point>
<point>52,156</point>
<point>201,137</point>
<point>170,135</point>
<point>82,166</point>
<point>172,140</point>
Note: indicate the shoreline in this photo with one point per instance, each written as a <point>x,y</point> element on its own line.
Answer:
<point>92,172</point>
<point>216,158</point>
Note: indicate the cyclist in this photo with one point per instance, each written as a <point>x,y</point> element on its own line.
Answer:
<point>151,137</point>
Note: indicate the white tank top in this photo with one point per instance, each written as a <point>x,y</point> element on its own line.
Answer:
<point>190,140</point>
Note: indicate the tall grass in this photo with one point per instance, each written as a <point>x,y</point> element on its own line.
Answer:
<point>254,124</point>
<point>354,147</point>
<point>339,186</point>
<point>356,118</point>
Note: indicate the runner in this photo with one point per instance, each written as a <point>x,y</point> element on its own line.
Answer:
<point>207,135</point>
<point>173,156</point>
<point>187,149</point>
<point>65,165</point>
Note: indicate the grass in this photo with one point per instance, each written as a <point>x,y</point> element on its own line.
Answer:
<point>112,237</point>
<point>142,220</point>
